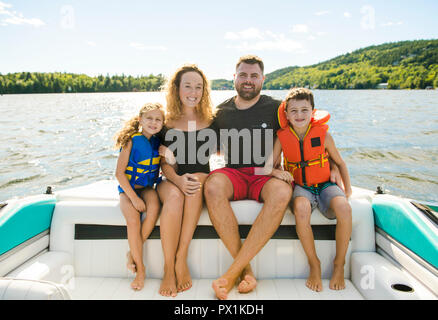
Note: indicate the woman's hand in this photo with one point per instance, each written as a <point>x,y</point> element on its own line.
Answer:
<point>283,175</point>
<point>189,184</point>
<point>139,204</point>
<point>167,154</point>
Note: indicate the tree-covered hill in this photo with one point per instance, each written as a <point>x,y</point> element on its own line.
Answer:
<point>402,65</point>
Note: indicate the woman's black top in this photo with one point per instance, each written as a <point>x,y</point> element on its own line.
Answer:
<point>192,149</point>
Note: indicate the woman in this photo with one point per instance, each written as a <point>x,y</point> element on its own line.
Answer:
<point>189,113</point>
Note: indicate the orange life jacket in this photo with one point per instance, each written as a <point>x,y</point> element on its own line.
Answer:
<point>306,160</point>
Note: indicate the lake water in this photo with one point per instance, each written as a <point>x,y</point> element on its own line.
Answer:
<point>387,138</point>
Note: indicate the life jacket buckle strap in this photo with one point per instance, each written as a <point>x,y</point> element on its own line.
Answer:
<point>303,164</point>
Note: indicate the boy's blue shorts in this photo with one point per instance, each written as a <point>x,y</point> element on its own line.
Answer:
<point>321,198</point>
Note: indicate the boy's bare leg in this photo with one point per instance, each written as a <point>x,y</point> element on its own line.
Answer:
<point>192,211</point>
<point>132,217</point>
<point>302,211</point>
<point>342,209</point>
<point>170,228</point>
<point>275,195</point>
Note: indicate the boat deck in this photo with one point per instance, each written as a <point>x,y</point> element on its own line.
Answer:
<point>99,288</point>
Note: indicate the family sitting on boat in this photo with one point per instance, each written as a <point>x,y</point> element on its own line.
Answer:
<point>251,131</point>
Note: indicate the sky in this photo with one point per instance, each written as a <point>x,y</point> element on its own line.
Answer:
<point>156,37</point>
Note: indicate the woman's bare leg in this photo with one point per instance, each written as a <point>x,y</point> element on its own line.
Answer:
<point>192,210</point>
<point>170,228</point>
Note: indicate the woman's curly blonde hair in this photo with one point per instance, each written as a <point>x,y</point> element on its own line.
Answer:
<point>133,125</point>
<point>174,104</point>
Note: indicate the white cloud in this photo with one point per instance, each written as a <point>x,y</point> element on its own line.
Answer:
<point>347,14</point>
<point>254,39</point>
<point>143,47</point>
<point>322,13</point>
<point>247,34</point>
<point>3,7</point>
<point>91,43</point>
<point>392,24</point>
<point>16,18</point>
<point>300,28</point>
<point>19,20</point>
<point>231,36</point>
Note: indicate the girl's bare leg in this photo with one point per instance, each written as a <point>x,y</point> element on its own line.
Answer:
<point>153,206</point>
<point>132,217</point>
<point>150,196</point>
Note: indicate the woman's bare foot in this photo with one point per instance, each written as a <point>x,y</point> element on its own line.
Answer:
<point>248,282</point>
<point>314,281</point>
<point>138,282</point>
<point>337,281</point>
<point>168,284</point>
<point>130,264</point>
<point>183,278</point>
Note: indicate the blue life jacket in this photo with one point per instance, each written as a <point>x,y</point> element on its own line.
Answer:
<point>144,162</point>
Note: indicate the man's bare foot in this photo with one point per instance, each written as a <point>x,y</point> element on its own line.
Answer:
<point>130,264</point>
<point>182,272</point>
<point>138,282</point>
<point>248,282</point>
<point>220,287</point>
<point>337,281</point>
<point>168,284</point>
<point>314,281</point>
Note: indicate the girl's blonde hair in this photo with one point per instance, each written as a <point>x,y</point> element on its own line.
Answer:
<point>174,104</point>
<point>133,125</point>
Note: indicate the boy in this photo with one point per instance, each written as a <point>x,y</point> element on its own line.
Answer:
<point>306,145</point>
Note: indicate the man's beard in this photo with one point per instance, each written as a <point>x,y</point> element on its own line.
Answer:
<point>247,95</point>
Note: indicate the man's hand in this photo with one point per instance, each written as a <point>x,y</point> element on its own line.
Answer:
<point>282,175</point>
<point>335,176</point>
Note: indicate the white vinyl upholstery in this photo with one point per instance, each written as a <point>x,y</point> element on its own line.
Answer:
<point>208,258</point>
<point>53,266</point>
<point>374,276</point>
<point>24,289</point>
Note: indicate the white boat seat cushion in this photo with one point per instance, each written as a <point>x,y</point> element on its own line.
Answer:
<point>25,289</point>
<point>208,258</point>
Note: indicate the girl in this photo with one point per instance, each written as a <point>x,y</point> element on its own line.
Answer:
<point>188,105</point>
<point>137,171</point>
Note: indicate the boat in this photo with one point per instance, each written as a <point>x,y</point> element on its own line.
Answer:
<point>72,244</point>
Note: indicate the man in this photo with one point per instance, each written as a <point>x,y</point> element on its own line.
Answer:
<point>253,118</point>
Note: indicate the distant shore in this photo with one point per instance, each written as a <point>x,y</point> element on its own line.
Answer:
<point>138,91</point>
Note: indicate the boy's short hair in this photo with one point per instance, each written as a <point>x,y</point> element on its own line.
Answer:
<point>251,59</point>
<point>300,94</point>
